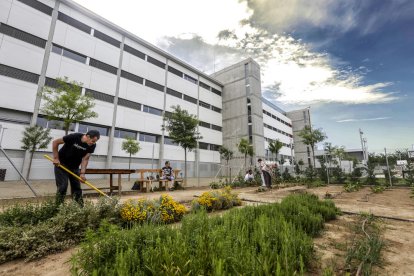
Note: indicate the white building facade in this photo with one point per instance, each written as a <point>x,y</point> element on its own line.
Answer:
<point>133,82</point>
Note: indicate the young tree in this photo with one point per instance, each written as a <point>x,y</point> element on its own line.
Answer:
<point>245,148</point>
<point>274,147</point>
<point>227,155</point>
<point>341,154</point>
<point>301,163</point>
<point>131,146</point>
<point>35,138</point>
<point>311,137</point>
<point>66,103</point>
<point>183,130</point>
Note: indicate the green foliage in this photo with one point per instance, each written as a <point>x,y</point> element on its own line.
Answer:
<point>245,148</point>
<point>366,246</point>
<point>255,240</point>
<point>28,214</point>
<point>65,102</point>
<point>226,153</point>
<point>310,174</point>
<point>378,189</point>
<point>355,176</point>
<point>410,173</point>
<point>275,146</point>
<point>49,232</point>
<point>339,175</point>
<point>371,179</point>
<point>35,138</point>
<point>352,187</point>
<point>131,146</point>
<point>311,137</point>
<point>287,177</point>
<point>182,128</point>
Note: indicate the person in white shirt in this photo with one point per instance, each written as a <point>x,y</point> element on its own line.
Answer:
<point>265,169</point>
<point>249,176</point>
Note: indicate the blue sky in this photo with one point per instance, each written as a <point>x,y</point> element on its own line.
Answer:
<point>351,61</point>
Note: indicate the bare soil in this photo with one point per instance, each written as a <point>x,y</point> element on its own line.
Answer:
<point>330,247</point>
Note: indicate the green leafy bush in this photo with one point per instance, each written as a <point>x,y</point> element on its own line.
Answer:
<point>255,240</point>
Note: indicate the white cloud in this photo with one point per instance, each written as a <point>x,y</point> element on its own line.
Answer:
<point>359,120</point>
<point>154,19</point>
<point>303,77</point>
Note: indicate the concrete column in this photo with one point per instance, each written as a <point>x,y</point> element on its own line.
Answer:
<point>42,79</point>
<point>161,150</point>
<point>112,131</point>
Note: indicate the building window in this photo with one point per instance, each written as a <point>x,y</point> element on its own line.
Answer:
<point>156,62</point>
<point>106,38</point>
<point>68,53</point>
<point>215,91</point>
<point>204,124</point>
<point>146,137</point>
<point>122,133</point>
<point>103,66</point>
<point>38,6</point>
<point>218,128</point>
<point>214,147</point>
<point>84,127</point>
<point>100,96</point>
<point>23,36</point>
<point>52,124</point>
<point>203,146</point>
<point>154,85</point>
<point>18,74</point>
<point>190,79</point>
<point>174,93</point>
<point>169,141</point>
<point>129,104</point>
<point>205,86</point>
<point>134,52</point>
<point>152,110</point>
<point>190,99</point>
<point>132,77</point>
<point>74,23</point>
<point>203,104</point>
<point>175,71</point>
<point>216,109</point>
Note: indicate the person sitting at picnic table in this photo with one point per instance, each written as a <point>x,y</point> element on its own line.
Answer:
<point>168,174</point>
<point>249,176</point>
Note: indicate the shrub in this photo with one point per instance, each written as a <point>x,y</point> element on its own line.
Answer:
<point>217,200</point>
<point>31,214</point>
<point>163,210</point>
<point>65,229</point>
<point>255,240</point>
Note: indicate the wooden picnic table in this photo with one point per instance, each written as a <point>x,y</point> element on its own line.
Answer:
<point>111,172</point>
<point>145,182</point>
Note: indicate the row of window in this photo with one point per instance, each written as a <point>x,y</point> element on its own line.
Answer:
<point>34,78</point>
<point>180,95</point>
<point>269,140</point>
<point>208,125</point>
<point>119,133</point>
<point>34,40</point>
<point>110,40</point>
<point>278,130</point>
<point>276,118</point>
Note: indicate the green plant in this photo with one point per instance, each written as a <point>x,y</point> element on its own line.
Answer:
<point>65,102</point>
<point>378,189</point>
<point>131,146</point>
<point>35,138</point>
<point>183,130</point>
<point>311,137</point>
<point>245,148</point>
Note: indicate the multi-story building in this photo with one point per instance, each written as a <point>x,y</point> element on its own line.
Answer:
<point>246,114</point>
<point>134,85</point>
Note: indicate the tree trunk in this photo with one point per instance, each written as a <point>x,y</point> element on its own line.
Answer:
<point>30,165</point>
<point>313,157</point>
<point>185,167</point>
<point>129,167</point>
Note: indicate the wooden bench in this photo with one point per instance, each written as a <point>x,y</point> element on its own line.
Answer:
<point>111,172</point>
<point>146,182</point>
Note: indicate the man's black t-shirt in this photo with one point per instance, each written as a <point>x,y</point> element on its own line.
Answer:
<point>72,152</point>
<point>167,171</point>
